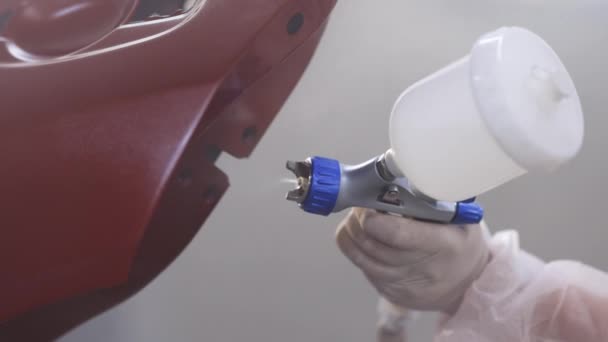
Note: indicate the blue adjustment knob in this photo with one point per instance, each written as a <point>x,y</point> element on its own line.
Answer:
<point>324,186</point>
<point>468,213</point>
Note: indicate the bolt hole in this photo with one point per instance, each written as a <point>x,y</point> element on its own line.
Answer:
<point>212,152</point>
<point>184,177</point>
<point>250,135</point>
<point>211,195</point>
<point>295,23</point>
<point>4,18</point>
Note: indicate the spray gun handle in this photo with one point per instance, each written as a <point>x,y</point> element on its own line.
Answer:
<point>325,186</point>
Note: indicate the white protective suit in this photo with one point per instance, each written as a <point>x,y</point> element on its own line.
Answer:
<point>520,298</point>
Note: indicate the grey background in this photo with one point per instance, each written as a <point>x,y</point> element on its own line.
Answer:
<point>261,270</point>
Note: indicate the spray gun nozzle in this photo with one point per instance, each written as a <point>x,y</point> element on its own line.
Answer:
<point>302,172</point>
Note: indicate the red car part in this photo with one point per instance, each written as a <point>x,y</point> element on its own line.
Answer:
<point>108,141</point>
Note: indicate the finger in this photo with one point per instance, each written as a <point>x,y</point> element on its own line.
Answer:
<point>375,249</point>
<point>457,239</point>
<point>371,267</point>
<point>398,232</point>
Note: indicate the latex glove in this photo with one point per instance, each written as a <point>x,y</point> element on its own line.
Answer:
<point>414,264</point>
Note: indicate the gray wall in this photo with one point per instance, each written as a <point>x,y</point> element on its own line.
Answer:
<point>261,270</point>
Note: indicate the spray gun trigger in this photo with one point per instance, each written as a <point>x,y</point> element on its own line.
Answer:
<point>391,195</point>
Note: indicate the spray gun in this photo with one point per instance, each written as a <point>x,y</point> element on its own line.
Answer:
<point>325,186</point>
<point>507,108</point>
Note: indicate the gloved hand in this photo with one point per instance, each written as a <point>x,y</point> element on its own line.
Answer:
<point>414,264</point>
